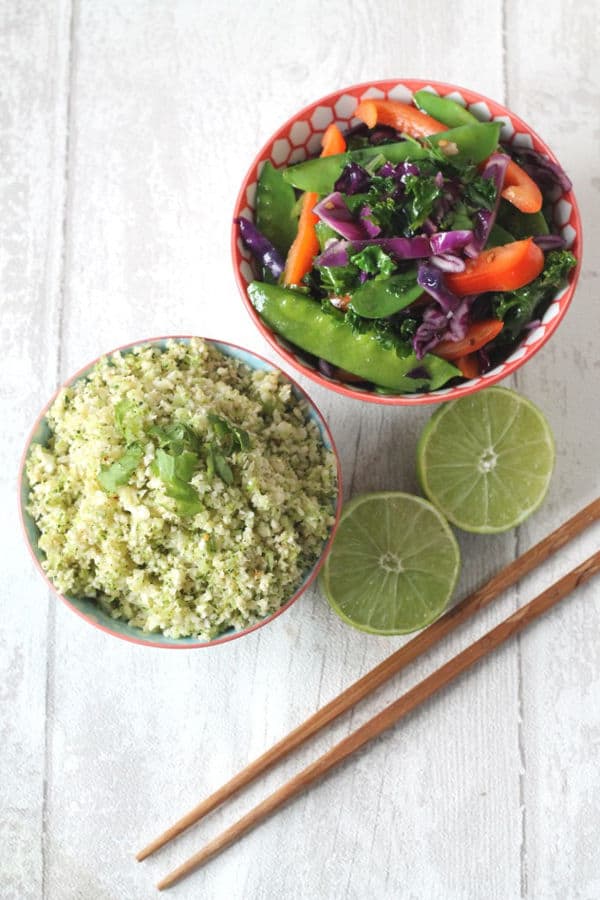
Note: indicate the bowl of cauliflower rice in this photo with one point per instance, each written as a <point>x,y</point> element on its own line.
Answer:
<point>180,492</point>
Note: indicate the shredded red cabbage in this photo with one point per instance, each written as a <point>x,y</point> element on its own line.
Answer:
<point>353,180</point>
<point>542,170</point>
<point>333,210</point>
<point>448,262</point>
<point>550,242</point>
<point>449,241</point>
<point>431,280</point>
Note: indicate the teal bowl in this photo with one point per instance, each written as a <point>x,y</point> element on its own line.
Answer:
<point>87,608</point>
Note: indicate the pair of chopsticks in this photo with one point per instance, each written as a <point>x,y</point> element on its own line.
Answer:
<point>397,710</point>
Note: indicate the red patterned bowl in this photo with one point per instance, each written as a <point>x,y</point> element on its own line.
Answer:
<point>300,137</point>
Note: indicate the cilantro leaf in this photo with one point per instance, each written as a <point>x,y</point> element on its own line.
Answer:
<point>120,471</point>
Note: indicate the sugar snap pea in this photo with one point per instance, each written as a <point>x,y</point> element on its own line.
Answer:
<point>275,205</point>
<point>380,298</point>
<point>300,320</point>
<point>467,143</point>
<point>446,111</point>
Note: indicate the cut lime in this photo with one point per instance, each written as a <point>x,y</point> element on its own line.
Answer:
<point>486,460</point>
<point>393,565</point>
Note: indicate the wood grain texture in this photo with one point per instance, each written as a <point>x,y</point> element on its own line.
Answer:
<point>166,105</point>
<point>557,88</point>
<point>34,51</point>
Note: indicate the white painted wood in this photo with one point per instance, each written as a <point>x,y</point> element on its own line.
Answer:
<point>168,103</point>
<point>560,707</point>
<point>34,49</point>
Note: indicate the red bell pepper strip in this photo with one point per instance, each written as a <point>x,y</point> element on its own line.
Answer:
<point>401,116</point>
<point>478,335</point>
<point>521,190</point>
<point>504,268</point>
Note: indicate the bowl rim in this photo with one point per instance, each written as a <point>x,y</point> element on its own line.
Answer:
<point>441,395</point>
<point>226,638</point>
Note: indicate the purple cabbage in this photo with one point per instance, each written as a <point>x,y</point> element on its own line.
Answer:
<point>353,180</point>
<point>449,241</point>
<point>367,222</point>
<point>550,242</point>
<point>325,368</point>
<point>337,254</point>
<point>431,279</point>
<point>398,171</point>
<point>448,262</point>
<point>494,170</point>
<point>334,211</point>
<point>378,135</point>
<point>438,326</point>
<point>431,330</point>
<point>260,247</point>
<point>542,170</point>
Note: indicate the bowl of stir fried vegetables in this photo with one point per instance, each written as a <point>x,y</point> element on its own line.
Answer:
<point>406,242</point>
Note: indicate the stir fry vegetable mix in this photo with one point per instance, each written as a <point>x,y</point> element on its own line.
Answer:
<point>418,252</point>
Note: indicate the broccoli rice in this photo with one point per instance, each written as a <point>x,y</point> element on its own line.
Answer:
<point>182,490</point>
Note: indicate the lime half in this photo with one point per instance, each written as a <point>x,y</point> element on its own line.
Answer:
<point>393,565</point>
<point>486,460</point>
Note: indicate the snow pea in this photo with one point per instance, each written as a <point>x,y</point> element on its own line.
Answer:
<point>473,143</point>
<point>380,298</point>
<point>275,208</point>
<point>498,237</point>
<point>300,320</point>
<point>521,225</point>
<point>446,111</point>
<point>319,175</point>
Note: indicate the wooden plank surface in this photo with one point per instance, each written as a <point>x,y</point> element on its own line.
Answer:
<point>166,106</point>
<point>34,55</point>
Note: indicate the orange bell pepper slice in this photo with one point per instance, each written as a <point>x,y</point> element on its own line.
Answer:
<point>305,245</point>
<point>401,116</point>
<point>504,268</point>
<point>478,335</point>
<point>521,190</point>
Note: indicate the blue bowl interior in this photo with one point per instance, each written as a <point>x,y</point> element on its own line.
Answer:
<point>88,608</point>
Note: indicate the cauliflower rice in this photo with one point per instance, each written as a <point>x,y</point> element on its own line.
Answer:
<point>231,564</point>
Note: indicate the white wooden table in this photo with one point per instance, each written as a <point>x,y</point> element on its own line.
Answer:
<point>126,127</point>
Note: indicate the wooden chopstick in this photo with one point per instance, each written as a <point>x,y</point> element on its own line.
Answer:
<point>499,583</point>
<point>391,714</point>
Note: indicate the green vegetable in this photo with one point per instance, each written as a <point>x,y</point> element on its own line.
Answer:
<point>325,233</point>
<point>444,110</point>
<point>338,280</point>
<point>517,308</point>
<point>374,261</point>
<point>378,299</point>
<point>276,215</point>
<point>231,438</point>
<point>175,471</point>
<point>300,320</point>
<point>521,225</point>
<point>467,143</point>
<point>176,438</point>
<point>421,193</point>
<point>498,237</point>
<point>473,142</point>
<point>120,471</point>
